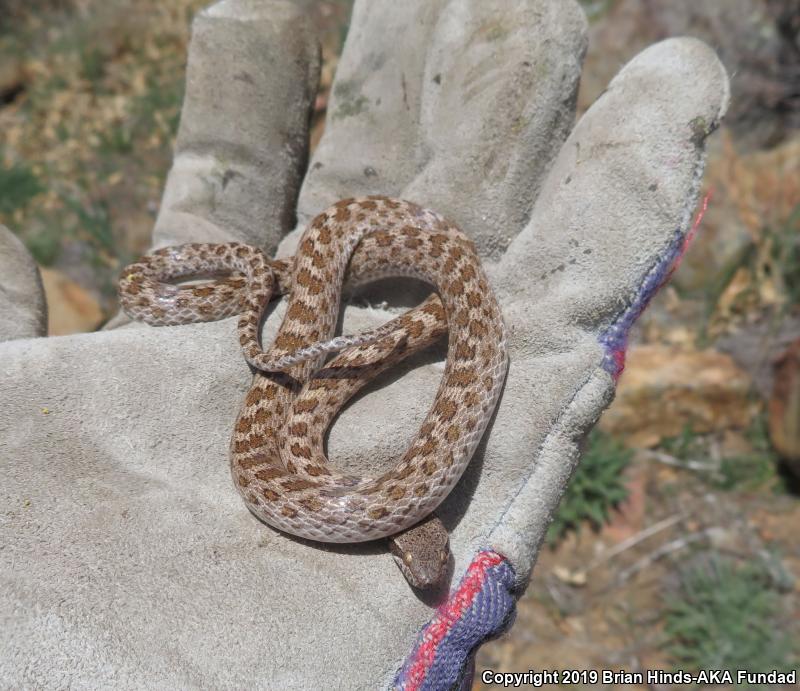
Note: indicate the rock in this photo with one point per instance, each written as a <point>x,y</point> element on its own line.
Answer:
<point>784,407</point>
<point>71,309</point>
<point>666,389</point>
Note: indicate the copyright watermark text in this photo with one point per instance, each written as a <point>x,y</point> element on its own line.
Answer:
<point>570,677</point>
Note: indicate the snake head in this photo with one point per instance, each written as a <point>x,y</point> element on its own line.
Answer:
<point>422,553</point>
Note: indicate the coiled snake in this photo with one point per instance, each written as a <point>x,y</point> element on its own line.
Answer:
<point>277,454</point>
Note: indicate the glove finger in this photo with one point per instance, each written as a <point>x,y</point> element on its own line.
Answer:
<point>251,80</point>
<point>621,191</point>
<point>610,223</point>
<point>23,309</point>
<point>461,115</point>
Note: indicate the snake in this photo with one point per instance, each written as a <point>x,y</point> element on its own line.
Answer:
<point>306,376</point>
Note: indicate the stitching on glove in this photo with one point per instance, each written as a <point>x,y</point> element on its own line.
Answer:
<point>615,338</point>
<point>482,606</point>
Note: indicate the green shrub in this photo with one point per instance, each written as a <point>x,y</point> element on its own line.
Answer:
<point>596,487</point>
<point>18,185</point>
<point>44,244</point>
<point>747,471</point>
<point>723,617</point>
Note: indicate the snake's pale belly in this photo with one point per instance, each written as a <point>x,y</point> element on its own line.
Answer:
<point>277,457</point>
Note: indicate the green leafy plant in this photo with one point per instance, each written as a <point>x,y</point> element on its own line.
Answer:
<point>118,139</point>
<point>746,471</point>
<point>786,254</point>
<point>94,221</point>
<point>44,243</point>
<point>596,487</point>
<point>93,64</point>
<point>756,468</point>
<point>159,106</point>
<point>685,446</point>
<point>18,185</point>
<point>727,617</point>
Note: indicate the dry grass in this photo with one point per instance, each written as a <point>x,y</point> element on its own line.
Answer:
<point>764,190</point>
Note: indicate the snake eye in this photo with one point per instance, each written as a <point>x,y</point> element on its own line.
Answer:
<point>408,558</point>
<point>443,556</point>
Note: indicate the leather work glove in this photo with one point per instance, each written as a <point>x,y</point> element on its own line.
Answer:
<point>129,560</point>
